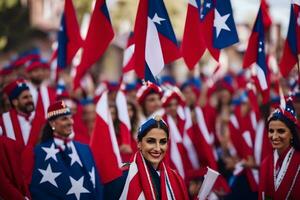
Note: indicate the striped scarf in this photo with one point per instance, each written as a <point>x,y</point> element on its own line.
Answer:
<point>139,185</point>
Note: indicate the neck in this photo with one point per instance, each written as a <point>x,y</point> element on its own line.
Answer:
<point>283,151</point>
<point>26,115</point>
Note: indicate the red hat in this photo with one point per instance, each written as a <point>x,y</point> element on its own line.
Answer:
<point>36,65</point>
<point>145,90</point>
<point>173,93</point>
<point>6,70</point>
<point>57,109</point>
<point>15,88</point>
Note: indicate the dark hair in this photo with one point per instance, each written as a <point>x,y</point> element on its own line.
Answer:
<point>47,133</point>
<point>291,125</point>
<point>155,122</point>
<point>134,119</point>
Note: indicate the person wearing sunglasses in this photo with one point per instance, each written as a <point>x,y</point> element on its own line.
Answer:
<point>147,176</point>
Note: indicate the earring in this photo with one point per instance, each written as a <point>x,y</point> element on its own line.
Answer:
<point>292,141</point>
<point>53,128</point>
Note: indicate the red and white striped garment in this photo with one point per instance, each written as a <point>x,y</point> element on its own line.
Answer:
<point>139,185</point>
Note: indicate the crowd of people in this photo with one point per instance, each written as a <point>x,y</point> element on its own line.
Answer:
<point>168,133</point>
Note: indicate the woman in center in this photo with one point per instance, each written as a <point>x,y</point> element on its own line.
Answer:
<point>147,176</point>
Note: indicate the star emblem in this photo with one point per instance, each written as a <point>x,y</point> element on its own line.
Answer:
<point>51,152</point>
<point>77,187</point>
<point>220,22</point>
<point>157,19</point>
<point>74,157</point>
<point>49,175</point>
<point>260,48</point>
<point>208,5</point>
<point>93,177</point>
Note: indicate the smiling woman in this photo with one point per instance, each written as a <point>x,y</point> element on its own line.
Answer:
<point>280,172</point>
<point>148,177</point>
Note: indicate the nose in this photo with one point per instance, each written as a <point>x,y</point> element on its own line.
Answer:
<point>274,135</point>
<point>157,146</point>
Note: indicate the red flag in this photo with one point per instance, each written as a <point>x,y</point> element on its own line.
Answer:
<point>100,34</point>
<point>192,46</point>
<point>104,143</point>
<point>267,21</point>
<point>69,38</point>
<point>291,46</point>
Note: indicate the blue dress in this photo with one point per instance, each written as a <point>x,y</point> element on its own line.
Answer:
<point>70,174</point>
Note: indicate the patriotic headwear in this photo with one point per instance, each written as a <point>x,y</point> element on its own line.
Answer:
<point>286,114</point>
<point>173,93</point>
<point>15,88</point>
<point>145,90</point>
<point>57,109</point>
<point>36,64</point>
<point>154,122</point>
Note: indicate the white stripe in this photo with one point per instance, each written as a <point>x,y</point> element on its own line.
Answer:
<point>45,98</point>
<point>202,125</point>
<point>261,77</point>
<point>8,126</point>
<point>133,170</point>
<point>259,141</point>
<point>284,167</point>
<point>175,138</point>
<point>253,119</point>
<point>234,121</point>
<point>170,193</point>
<point>142,196</point>
<point>103,111</point>
<point>153,51</point>
<point>247,137</point>
<point>122,109</point>
<point>128,53</point>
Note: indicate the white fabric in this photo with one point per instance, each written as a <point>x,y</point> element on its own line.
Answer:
<point>8,126</point>
<point>25,128</point>
<point>175,138</point>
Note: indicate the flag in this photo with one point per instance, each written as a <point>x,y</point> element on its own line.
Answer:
<point>217,20</point>
<point>128,58</point>
<point>104,143</point>
<point>291,46</point>
<point>100,34</point>
<point>267,17</point>
<point>192,45</point>
<point>255,53</point>
<point>69,38</point>
<point>155,41</point>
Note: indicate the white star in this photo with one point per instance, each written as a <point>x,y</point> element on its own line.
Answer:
<point>51,152</point>
<point>77,187</point>
<point>259,49</point>
<point>74,157</point>
<point>49,175</point>
<point>157,19</point>
<point>220,22</point>
<point>93,177</point>
<point>208,5</point>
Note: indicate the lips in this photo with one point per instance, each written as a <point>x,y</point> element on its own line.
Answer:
<point>155,155</point>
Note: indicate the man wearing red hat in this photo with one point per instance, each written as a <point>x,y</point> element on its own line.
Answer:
<point>42,94</point>
<point>16,133</point>
<point>16,124</point>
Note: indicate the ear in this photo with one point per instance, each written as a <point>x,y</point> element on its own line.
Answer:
<point>14,102</point>
<point>52,123</point>
<point>139,145</point>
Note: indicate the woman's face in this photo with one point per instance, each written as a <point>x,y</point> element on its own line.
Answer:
<point>152,103</point>
<point>154,146</point>
<point>279,135</point>
<point>171,108</point>
<point>63,125</point>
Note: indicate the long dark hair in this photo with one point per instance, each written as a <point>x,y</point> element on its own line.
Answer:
<point>293,128</point>
<point>47,133</point>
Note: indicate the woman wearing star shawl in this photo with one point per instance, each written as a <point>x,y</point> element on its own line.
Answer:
<point>280,171</point>
<point>63,169</point>
<point>148,177</point>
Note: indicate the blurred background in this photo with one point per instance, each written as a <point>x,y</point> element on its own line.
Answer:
<point>26,24</point>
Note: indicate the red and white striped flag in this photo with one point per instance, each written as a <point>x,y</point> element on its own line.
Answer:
<point>104,143</point>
